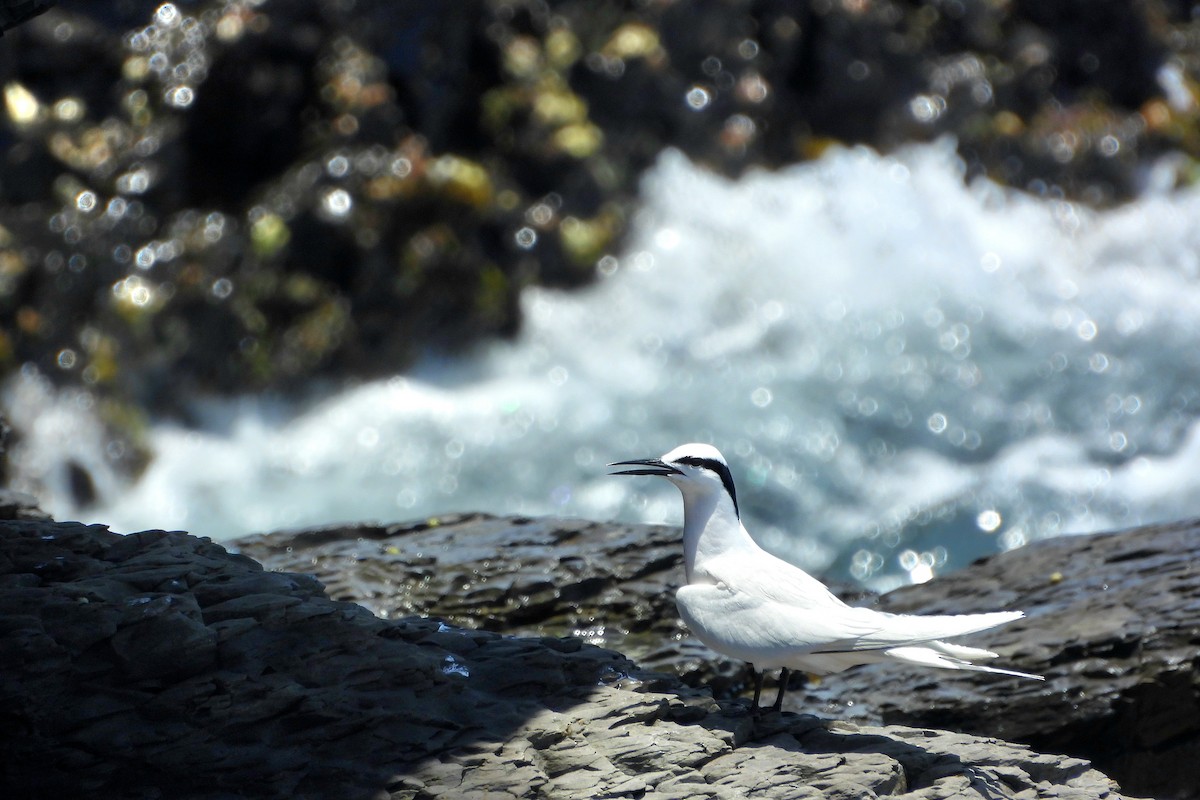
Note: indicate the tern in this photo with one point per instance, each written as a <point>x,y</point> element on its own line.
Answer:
<point>745,603</point>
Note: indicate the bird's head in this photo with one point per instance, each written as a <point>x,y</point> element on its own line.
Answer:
<point>697,469</point>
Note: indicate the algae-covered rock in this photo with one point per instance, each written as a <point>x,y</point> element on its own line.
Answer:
<point>219,196</point>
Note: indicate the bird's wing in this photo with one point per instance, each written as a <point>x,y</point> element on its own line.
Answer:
<point>759,574</point>
<point>741,624</point>
<point>744,625</point>
<point>899,630</point>
<point>765,582</point>
<point>783,606</point>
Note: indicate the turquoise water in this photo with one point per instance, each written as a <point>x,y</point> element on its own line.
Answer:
<point>904,373</point>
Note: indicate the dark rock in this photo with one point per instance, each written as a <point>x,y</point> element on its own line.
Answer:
<point>612,585</point>
<point>167,643</point>
<point>14,12</point>
<point>1114,624</point>
<point>274,690</point>
<point>219,199</point>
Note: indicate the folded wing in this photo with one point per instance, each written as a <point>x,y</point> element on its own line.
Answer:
<point>766,610</point>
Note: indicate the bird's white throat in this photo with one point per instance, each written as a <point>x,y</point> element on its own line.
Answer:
<point>711,528</point>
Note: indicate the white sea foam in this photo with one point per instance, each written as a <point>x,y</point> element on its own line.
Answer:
<point>905,373</point>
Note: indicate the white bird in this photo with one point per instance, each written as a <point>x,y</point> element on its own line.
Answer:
<point>743,602</point>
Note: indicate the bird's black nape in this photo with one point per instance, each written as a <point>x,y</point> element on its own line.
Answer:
<point>722,471</point>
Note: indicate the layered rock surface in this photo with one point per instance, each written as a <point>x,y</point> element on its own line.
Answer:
<point>160,665</point>
<point>1114,625</point>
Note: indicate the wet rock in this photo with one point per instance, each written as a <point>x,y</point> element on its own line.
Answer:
<point>275,690</point>
<point>1113,623</point>
<point>612,585</point>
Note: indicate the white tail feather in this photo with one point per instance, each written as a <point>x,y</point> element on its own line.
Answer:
<point>948,656</point>
<point>961,651</point>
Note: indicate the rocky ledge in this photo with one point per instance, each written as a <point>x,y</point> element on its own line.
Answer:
<point>160,665</point>
<point>1114,624</point>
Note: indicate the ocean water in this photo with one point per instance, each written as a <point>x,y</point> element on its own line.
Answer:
<point>904,372</point>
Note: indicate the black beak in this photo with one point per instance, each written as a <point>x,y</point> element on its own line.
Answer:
<point>652,466</point>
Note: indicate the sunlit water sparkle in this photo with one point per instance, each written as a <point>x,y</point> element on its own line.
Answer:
<point>905,373</point>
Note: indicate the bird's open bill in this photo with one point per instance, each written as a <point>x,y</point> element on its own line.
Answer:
<point>651,466</point>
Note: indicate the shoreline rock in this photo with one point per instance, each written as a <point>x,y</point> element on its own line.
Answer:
<point>1113,624</point>
<point>159,664</point>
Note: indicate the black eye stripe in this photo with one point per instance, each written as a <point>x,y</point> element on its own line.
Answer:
<point>720,469</point>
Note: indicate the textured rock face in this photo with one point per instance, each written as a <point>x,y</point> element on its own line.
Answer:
<point>1114,624</point>
<point>613,584</point>
<point>159,665</point>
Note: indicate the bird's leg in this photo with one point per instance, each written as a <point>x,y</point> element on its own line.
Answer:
<point>783,682</point>
<point>758,681</point>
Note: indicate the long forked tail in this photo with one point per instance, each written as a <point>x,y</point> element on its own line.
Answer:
<point>952,656</point>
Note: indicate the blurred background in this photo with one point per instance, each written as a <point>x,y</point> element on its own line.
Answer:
<point>926,272</point>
